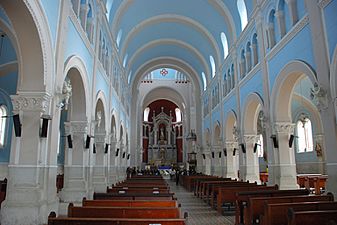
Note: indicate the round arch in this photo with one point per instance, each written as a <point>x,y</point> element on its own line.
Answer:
<point>181,44</point>
<point>74,62</point>
<point>229,125</point>
<point>177,19</point>
<point>253,105</point>
<point>283,89</point>
<point>32,42</point>
<point>169,62</point>
<point>100,96</point>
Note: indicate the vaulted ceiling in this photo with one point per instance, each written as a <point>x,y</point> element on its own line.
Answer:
<point>187,30</point>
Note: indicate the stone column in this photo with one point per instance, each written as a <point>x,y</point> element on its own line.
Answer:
<point>75,169</point>
<point>100,167</point>
<point>281,22</point>
<point>84,9</point>
<point>252,160</point>
<point>287,164</point>
<point>230,146</point>
<point>208,162</point>
<point>271,35</point>
<point>248,60</point>
<point>112,164</point>
<point>255,54</point>
<point>26,200</point>
<point>292,4</point>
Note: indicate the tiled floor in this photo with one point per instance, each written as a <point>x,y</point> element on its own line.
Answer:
<point>199,213</point>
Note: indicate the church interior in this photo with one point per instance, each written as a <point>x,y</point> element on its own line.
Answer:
<point>217,107</point>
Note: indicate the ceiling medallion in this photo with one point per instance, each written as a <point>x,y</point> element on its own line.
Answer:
<point>163,72</point>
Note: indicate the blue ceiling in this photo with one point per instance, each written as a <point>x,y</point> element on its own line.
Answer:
<point>189,30</point>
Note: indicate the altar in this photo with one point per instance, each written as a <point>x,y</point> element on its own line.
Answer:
<point>162,140</point>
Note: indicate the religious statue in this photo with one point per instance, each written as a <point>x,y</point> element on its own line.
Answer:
<point>318,149</point>
<point>162,137</point>
<point>99,118</point>
<point>319,95</point>
<point>66,92</point>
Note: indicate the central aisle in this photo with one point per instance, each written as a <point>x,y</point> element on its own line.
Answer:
<point>199,213</point>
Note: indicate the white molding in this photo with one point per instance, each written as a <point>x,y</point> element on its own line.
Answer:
<point>75,20</point>
<point>323,3</point>
<point>288,37</point>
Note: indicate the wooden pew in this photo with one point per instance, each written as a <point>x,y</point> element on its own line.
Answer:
<point>203,185</point>
<point>199,183</point>
<point>53,220</point>
<point>228,194</point>
<point>243,197</point>
<point>189,181</point>
<point>277,213</point>
<point>137,190</point>
<point>324,217</point>
<point>215,189</point>
<point>134,196</point>
<point>255,207</point>
<point>3,189</point>
<point>130,203</point>
<point>123,212</point>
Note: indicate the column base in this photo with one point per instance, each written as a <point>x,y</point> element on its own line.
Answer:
<point>73,194</point>
<point>252,174</point>
<point>331,169</point>
<point>288,178</point>
<point>23,214</point>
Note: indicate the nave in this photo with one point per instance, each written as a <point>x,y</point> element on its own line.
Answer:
<point>199,213</point>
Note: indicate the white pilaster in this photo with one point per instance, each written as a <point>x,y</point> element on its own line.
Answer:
<point>252,160</point>
<point>75,171</point>
<point>26,200</point>
<point>287,164</point>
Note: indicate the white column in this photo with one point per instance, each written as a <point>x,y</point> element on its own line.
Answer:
<point>75,169</point>
<point>255,55</point>
<point>100,175</point>
<point>287,163</point>
<point>292,4</point>
<point>112,164</point>
<point>249,60</point>
<point>271,35</point>
<point>281,22</point>
<point>252,160</point>
<point>84,9</point>
<point>230,169</point>
<point>26,200</point>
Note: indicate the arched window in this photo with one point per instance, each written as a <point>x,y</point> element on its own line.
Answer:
<point>125,60</point>
<point>146,114</point>
<point>3,120</point>
<point>243,13</point>
<point>304,134</point>
<point>211,59</point>
<point>260,146</point>
<point>178,115</point>
<point>204,80</point>
<point>224,44</point>
<point>119,37</point>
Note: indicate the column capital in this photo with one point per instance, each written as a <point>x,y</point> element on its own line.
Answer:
<point>284,127</point>
<point>231,144</point>
<point>250,138</point>
<point>31,101</point>
<point>100,137</point>
<point>77,127</point>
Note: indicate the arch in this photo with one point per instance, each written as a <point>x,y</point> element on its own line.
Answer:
<point>333,80</point>
<point>212,62</point>
<point>204,80</point>
<point>166,62</point>
<point>207,135</point>
<point>241,6</point>
<point>182,44</point>
<point>113,127</point>
<point>33,45</point>
<point>217,134</point>
<point>224,44</point>
<point>74,62</point>
<point>252,107</point>
<point>172,18</point>
<point>100,97</point>
<point>230,124</point>
<point>283,88</point>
